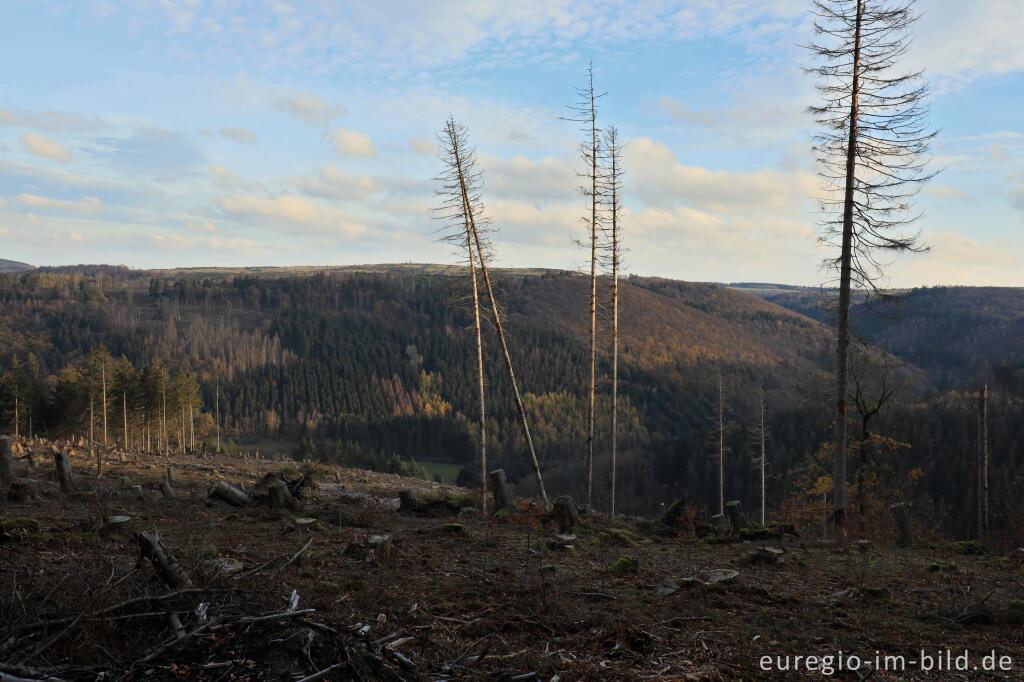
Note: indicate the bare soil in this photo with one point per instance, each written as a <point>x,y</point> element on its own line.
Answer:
<point>366,591</point>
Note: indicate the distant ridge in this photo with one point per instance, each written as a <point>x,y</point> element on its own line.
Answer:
<point>13,266</point>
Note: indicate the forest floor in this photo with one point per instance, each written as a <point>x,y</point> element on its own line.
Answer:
<point>353,588</point>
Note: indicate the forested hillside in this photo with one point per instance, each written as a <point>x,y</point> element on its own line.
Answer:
<point>957,335</point>
<point>373,367</point>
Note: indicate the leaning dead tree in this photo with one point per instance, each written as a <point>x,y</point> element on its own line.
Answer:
<point>461,180</point>
<point>611,186</point>
<point>871,157</point>
<point>458,230</point>
<point>585,113</point>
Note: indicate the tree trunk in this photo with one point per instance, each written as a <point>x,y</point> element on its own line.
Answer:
<point>217,410</point>
<point>124,413</point>
<point>504,344</point>
<point>737,519</point>
<point>6,466</point>
<point>230,494</point>
<point>593,293</point>
<point>281,497</point>
<point>983,464</point>
<point>63,466</point>
<point>167,567</point>
<point>843,324</point>
<point>103,375</point>
<point>499,487</point>
<point>407,500</point>
<point>564,514</point>
<point>479,361</point>
<point>764,462</point>
<point>900,513</point>
<point>721,448</point>
<point>615,316</point>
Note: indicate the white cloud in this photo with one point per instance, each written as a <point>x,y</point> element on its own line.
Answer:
<point>545,180</point>
<point>243,246</point>
<point>331,182</point>
<point>308,107</point>
<point>946,192</point>
<point>291,209</point>
<point>45,147</point>
<point>172,241</point>
<point>352,143</point>
<point>240,135</point>
<point>655,176</point>
<point>424,145</point>
<point>86,205</point>
<point>54,121</point>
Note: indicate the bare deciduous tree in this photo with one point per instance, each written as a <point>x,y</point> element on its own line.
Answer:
<point>462,184</point>
<point>585,113</point>
<point>871,155</point>
<point>611,187</point>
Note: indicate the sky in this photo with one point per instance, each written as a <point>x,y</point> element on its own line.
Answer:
<point>168,133</point>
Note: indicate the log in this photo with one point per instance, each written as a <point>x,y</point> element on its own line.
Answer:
<point>499,487</point>
<point>737,519</point>
<point>564,514</point>
<point>222,490</point>
<point>901,514</point>
<point>63,465</point>
<point>167,567</point>
<point>281,497</point>
<point>6,464</point>
<point>407,500</point>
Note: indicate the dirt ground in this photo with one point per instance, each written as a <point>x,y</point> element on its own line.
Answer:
<point>351,587</point>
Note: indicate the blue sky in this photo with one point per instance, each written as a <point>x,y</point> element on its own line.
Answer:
<point>221,132</point>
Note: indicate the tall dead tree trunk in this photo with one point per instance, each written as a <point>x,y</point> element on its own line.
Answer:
<point>92,440</point>
<point>216,403</point>
<point>124,414</point>
<point>763,433</point>
<point>480,372</point>
<point>103,383</point>
<point>586,114</point>
<point>983,464</point>
<point>721,447</point>
<point>163,416</point>
<point>464,178</point>
<point>614,211</point>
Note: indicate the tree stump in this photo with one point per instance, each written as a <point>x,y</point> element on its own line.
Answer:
<point>737,519</point>
<point>677,515</point>
<point>6,464</point>
<point>170,475</point>
<point>564,514</point>
<point>167,567</point>
<point>499,487</point>
<point>901,514</point>
<point>116,528</point>
<point>407,500</point>
<point>63,465</point>
<point>165,490</point>
<point>222,490</point>
<point>281,497</point>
